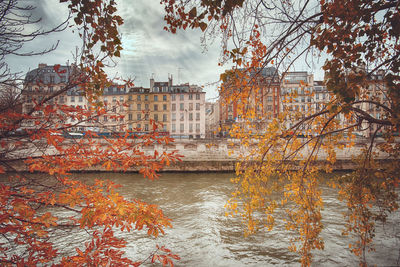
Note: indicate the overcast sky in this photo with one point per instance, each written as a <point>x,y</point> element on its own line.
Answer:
<point>148,49</point>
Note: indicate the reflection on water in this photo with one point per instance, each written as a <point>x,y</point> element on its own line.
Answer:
<point>203,236</point>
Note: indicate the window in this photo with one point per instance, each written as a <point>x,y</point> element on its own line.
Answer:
<point>139,107</point>
<point>80,98</point>
<point>164,117</point>
<point>173,96</point>
<point>51,89</point>
<point>114,109</point>
<point>139,98</point>
<point>146,127</point>
<point>190,116</point>
<point>197,96</point>
<point>156,107</point>
<point>105,118</point>
<point>191,127</point>
<point>130,117</point>
<point>182,127</point>
<point>139,126</point>
<point>164,128</point>
<point>72,98</point>
<point>197,106</point>
<point>121,99</point>
<point>269,107</point>
<point>197,127</point>
<point>62,99</point>
<point>190,106</point>
<point>51,79</point>
<point>182,97</point>
<point>139,116</point>
<point>181,106</point>
<point>164,97</point>
<point>197,116</point>
<point>130,98</point>
<point>191,97</point>
<point>156,117</point>
<point>173,128</point>
<point>156,98</point>
<point>164,106</point>
<point>146,98</point>
<point>146,106</point>
<point>114,99</point>
<point>146,116</point>
<point>174,116</point>
<point>173,107</point>
<point>182,116</point>
<point>230,108</point>
<point>269,98</point>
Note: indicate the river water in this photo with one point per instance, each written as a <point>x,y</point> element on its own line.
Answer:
<point>203,236</point>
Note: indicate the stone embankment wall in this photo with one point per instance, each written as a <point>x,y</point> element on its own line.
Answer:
<point>222,155</point>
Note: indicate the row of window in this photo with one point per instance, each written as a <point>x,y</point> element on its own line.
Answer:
<point>147,107</point>
<point>139,117</point>
<point>146,127</point>
<point>146,97</point>
<point>182,116</point>
<point>182,97</point>
<point>182,127</point>
<point>182,106</point>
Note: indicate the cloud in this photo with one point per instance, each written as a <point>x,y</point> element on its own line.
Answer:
<point>148,49</point>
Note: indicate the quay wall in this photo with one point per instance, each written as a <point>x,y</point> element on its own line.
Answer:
<point>220,155</point>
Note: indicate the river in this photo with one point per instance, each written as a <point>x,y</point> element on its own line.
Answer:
<point>203,236</point>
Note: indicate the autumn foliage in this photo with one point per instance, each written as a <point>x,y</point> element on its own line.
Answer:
<point>47,204</point>
<point>287,152</point>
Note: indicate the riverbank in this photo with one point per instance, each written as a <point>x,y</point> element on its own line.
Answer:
<point>221,156</point>
<point>203,166</point>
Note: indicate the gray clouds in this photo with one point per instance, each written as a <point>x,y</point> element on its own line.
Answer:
<point>147,47</point>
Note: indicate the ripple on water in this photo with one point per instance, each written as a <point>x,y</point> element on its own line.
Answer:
<point>203,236</point>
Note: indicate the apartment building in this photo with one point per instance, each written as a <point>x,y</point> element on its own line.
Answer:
<point>178,110</point>
<point>212,119</point>
<point>114,120</point>
<point>187,111</point>
<point>41,83</point>
<point>376,91</point>
<point>184,116</point>
<point>321,96</point>
<point>161,107</point>
<point>264,91</point>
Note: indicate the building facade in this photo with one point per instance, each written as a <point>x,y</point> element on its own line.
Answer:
<point>187,111</point>
<point>264,93</point>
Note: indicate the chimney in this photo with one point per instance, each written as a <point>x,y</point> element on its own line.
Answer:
<point>152,83</point>
<point>170,81</point>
